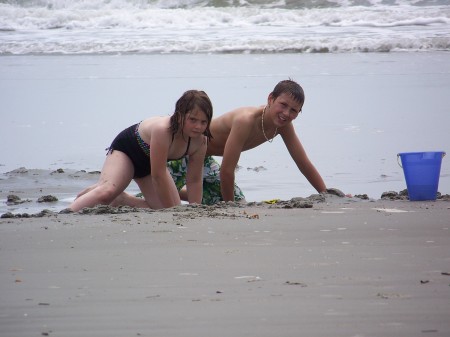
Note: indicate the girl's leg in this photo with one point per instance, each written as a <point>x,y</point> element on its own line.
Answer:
<point>126,199</point>
<point>87,189</point>
<point>123,199</point>
<point>116,175</point>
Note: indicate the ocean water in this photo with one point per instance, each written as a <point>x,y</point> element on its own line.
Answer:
<point>376,75</point>
<point>361,110</point>
<point>222,26</point>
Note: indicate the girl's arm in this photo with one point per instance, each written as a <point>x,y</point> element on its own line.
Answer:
<point>300,158</point>
<point>194,175</point>
<point>163,184</point>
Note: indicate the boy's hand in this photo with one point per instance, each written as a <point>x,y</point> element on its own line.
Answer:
<point>335,191</point>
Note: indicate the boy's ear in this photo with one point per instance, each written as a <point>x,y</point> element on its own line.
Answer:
<point>270,99</point>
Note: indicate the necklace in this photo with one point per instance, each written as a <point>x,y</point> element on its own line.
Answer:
<point>262,126</point>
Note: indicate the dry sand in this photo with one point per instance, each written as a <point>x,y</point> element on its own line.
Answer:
<point>339,267</point>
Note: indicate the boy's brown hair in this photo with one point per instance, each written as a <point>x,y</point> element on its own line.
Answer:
<point>291,87</point>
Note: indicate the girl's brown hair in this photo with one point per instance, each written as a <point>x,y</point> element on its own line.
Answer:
<point>185,104</point>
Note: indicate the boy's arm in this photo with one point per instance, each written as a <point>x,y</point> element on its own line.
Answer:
<point>194,175</point>
<point>231,154</point>
<point>300,158</point>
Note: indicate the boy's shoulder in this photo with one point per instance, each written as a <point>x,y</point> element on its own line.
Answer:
<point>243,115</point>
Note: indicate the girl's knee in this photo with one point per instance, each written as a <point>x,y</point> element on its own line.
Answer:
<point>106,193</point>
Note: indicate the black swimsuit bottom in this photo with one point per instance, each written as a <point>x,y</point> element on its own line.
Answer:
<point>127,142</point>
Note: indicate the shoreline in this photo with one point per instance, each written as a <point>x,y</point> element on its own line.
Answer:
<point>32,192</point>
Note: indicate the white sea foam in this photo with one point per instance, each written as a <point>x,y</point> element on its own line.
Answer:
<point>190,26</point>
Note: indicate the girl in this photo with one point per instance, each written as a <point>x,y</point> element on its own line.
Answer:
<point>141,152</point>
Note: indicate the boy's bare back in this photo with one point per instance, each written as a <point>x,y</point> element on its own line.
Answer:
<point>243,124</point>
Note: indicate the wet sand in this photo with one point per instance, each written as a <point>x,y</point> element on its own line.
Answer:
<point>28,186</point>
<point>316,266</point>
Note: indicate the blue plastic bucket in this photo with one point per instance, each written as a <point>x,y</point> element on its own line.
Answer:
<point>422,170</point>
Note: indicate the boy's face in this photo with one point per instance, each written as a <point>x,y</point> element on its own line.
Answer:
<point>285,108</point>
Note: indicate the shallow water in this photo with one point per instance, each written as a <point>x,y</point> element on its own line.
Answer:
<point>361,110</point>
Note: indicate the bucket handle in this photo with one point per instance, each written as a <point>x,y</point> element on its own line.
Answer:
<point>398,157</point>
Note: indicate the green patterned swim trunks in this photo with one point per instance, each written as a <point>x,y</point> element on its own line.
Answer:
<point>211,179</point>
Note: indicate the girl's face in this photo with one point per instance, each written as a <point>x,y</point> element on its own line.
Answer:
<point>195,123</point>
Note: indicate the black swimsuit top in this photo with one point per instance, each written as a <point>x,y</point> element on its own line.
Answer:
<point>146,148</point>
<point>187,149</point>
